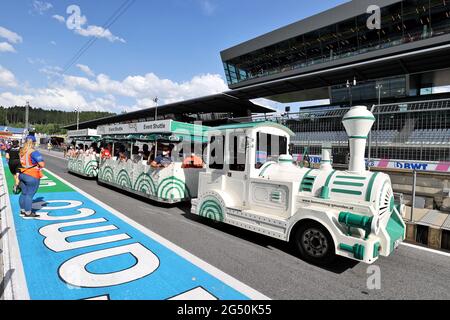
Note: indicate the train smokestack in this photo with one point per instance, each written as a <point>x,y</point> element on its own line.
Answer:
<point>326,163</point>
<point>358,122</point>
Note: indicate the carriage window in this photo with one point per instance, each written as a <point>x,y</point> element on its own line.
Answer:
<point>217,150</point>
<point>268,148</point>
<point>238,152</point>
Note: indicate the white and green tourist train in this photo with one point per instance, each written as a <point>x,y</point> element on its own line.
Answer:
<point>323,212</point>
<point>249,180</point>
<point>83,163</point>
<point>134,165</point>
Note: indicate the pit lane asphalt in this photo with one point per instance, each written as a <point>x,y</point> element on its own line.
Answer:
<point>271,266</point>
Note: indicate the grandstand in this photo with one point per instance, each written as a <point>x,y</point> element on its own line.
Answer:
<point>410,131</point>
<point>417,130</point>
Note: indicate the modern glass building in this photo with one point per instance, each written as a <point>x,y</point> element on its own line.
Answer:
<point>330,48</point>
<point>401,22</point>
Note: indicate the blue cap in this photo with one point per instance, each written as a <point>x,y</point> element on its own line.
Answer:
<point>32,138</point>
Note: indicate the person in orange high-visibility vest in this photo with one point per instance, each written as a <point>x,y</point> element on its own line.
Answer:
<point>32,163</point>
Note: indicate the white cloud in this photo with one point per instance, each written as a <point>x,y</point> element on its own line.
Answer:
<point>6,47</point>
<point>9,35</point>
<point>53,43</point>
<point>149,86</point>
<point>51,71</point>
<point>98,32</point>
<point>86,70</point>
<point>8,99</point>
<point>59,18</point>
<point>101,93</point>
<point>7,78</point>
<point>57,98</point>
<point>40,7</point>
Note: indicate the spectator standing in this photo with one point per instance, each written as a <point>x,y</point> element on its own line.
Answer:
<point>32,163</point>
<point>13,158</point>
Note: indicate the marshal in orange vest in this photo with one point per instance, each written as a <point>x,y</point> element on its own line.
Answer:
<point>28,168</point>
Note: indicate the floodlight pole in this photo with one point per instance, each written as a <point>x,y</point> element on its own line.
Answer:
<point>379,87</point>
<point>78,118</point>
<point>27,116</point>
<point>156,108</point>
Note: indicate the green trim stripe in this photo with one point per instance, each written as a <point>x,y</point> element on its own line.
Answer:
<point>123,179</point>
<point>325,194</point>
<point>307,182</point>
<point>351,177</point>
<point>264,169</point>
<point>212,210</point>
<point>351,184</point>
<point>370,186</point>
<point>352,192</point>
<point>145,183</point>
<point>327,182</point>
<point>359,137</point>
<point>107,174</point>
<point>359,118</point>
<point>172,183</point>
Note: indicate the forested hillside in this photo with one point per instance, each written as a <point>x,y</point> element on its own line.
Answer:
<point>45,121</point>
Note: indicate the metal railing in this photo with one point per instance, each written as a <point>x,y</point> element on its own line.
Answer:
<point>417,130</point>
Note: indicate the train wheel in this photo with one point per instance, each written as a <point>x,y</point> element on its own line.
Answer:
<point>314,243</point>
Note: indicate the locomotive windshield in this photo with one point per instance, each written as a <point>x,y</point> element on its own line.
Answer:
<point>269,147</point>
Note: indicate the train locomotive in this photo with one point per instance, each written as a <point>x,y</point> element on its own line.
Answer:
<point>325,213</point>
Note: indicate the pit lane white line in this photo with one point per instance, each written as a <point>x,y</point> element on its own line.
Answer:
<point>442,253</point>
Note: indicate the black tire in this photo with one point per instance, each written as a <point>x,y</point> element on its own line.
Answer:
<point>314,243</point>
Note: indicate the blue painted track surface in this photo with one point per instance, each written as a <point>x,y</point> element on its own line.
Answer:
<point>53,272</point>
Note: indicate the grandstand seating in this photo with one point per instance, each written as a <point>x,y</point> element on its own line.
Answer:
<point>429,137</point>
<point>417,137</point>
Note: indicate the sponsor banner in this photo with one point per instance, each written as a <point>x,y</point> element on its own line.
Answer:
<point>411,165</point>
<point>138,127</point>
<point>443,166</point>
<point>82,133</point>
<point>312,159</point>
<point>80,248</point>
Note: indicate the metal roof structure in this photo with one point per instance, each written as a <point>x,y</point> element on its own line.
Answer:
<point>218,103</point>
<point>430,54</point>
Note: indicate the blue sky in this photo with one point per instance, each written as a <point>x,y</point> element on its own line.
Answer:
<point>170,49</point>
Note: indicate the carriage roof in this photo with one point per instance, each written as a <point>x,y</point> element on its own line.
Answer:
<point>84,133</point>
<point>164,130</point>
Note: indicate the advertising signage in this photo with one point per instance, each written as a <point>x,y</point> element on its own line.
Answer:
<point>139,127</point>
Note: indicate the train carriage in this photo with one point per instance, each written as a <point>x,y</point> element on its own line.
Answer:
<point>138,171</point>
<point>85,161</point>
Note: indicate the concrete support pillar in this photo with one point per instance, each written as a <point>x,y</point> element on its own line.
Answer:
<point>434,238</point>
<point>411,232</point>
